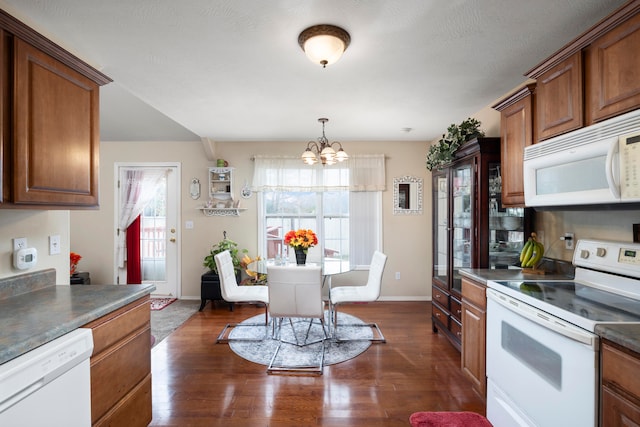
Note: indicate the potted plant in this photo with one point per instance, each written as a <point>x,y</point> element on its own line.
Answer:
<point>210,281</point>
<point>224,245</point>
<point>443,152</point>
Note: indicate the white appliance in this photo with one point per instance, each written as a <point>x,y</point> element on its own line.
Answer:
<point>598,164</point>
<point>50,385</point>
<point>542,350</point>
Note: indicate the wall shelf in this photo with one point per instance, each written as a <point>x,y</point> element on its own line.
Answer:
<point>221,211</point>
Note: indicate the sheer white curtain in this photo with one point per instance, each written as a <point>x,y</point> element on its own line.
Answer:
<point>137,188</point>
<point>362,175</point>
<point>359,173</point>
<point>290,174</point>
<point>366,184</point>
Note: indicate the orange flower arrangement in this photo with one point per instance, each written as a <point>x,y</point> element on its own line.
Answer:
<point>301,239</point>
<point>74,259</point>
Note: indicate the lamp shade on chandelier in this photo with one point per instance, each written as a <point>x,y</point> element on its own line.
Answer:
<point>324,44</point>
<point>323,150</point>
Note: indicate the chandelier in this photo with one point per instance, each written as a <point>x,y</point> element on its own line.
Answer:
<point>324,44</point>
<point>324,149</point>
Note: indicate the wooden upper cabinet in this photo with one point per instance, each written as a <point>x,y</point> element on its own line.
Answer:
<point>49,122</point>
<point>559,100</point>
<point>613,72</point>
<point>516,132</point>
<point>56,134</point>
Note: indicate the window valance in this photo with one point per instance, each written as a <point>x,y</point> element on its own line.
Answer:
<point>282,173</point>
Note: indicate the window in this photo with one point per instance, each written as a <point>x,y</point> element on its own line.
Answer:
<point>347,220</point>
<point>153,236</point>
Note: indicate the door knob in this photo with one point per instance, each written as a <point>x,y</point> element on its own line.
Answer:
<point>173,230</point>
<point>172,240</point>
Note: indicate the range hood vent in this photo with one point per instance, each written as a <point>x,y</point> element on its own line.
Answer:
<point>611,128</point>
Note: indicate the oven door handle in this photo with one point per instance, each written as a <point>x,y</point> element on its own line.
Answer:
<point>544,319</point>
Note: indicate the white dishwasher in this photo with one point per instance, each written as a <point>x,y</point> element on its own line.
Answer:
<point>50,385</point>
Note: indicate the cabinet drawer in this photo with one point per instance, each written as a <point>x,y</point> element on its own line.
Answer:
<point>116,372</point>
<point>440,296</point>
<point>616,366</point>
<point>617,410</point>
<point>456,309</point>
<point>456,328</point>
<point>133,410</point>
<point>115,326</point>
<point>474,293</point>
<point>439,315</point>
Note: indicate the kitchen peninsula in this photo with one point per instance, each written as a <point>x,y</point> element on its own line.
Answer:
<point>35,311</point>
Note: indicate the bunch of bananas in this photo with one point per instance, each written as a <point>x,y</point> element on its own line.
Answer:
<point>531,253</point>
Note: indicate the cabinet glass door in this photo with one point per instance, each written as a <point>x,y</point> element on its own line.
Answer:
<point>462,221</point>
<point>441,234</point>
<point>506,226</point>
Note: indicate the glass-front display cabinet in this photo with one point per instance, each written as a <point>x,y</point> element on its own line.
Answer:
<point>471,228</point>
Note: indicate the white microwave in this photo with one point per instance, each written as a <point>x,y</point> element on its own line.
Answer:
<point>599,164</point>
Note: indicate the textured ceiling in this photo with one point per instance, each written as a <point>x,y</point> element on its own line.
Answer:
<point>232,70</point>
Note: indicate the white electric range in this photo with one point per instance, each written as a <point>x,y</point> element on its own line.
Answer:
<point>542,352</point>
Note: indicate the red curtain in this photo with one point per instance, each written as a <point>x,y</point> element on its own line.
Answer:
<point>134,270</point>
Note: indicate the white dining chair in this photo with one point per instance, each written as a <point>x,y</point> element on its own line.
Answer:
<point>232,292</point>
<point>360,293</point>
<point>295,292</point>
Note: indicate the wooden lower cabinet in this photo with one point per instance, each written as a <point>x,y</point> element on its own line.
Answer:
<point>620,386</point>
<point>474,326</point>
<point>121,366</point>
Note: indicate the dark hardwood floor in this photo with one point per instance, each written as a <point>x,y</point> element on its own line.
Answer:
<point>197,382</point>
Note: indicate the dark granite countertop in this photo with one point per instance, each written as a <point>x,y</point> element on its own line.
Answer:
<point>625,335</point>
<point>32,318</point>
<point>482,275</point>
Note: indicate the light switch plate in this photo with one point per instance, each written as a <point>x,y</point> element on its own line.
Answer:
<point>54,244</point>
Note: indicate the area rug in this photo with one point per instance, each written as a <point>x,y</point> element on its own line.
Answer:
<point>160,303</point>
<point>261,350</point>
<point>164,322</point>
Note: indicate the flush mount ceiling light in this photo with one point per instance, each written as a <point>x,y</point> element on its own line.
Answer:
<point>324,44</point>
<point>324,150</point>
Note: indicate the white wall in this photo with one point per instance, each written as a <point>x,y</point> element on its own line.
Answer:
<point>407,238</point>
<point>36,226</point>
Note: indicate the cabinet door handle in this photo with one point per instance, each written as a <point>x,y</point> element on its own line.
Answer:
<point>437,314</point>
<point>438,296</point>
<point>459,311</point>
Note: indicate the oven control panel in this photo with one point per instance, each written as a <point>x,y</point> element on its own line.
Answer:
<point>629,256</point>
<point>614,257</point>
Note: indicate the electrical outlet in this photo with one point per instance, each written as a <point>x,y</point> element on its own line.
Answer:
<point>568,240</point>
<point>397,275</point>
<point>54,244</point>
<point>19,243</point>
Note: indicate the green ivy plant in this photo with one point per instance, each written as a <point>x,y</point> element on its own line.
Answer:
<point>443,152</point>
<point>224,245</point>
